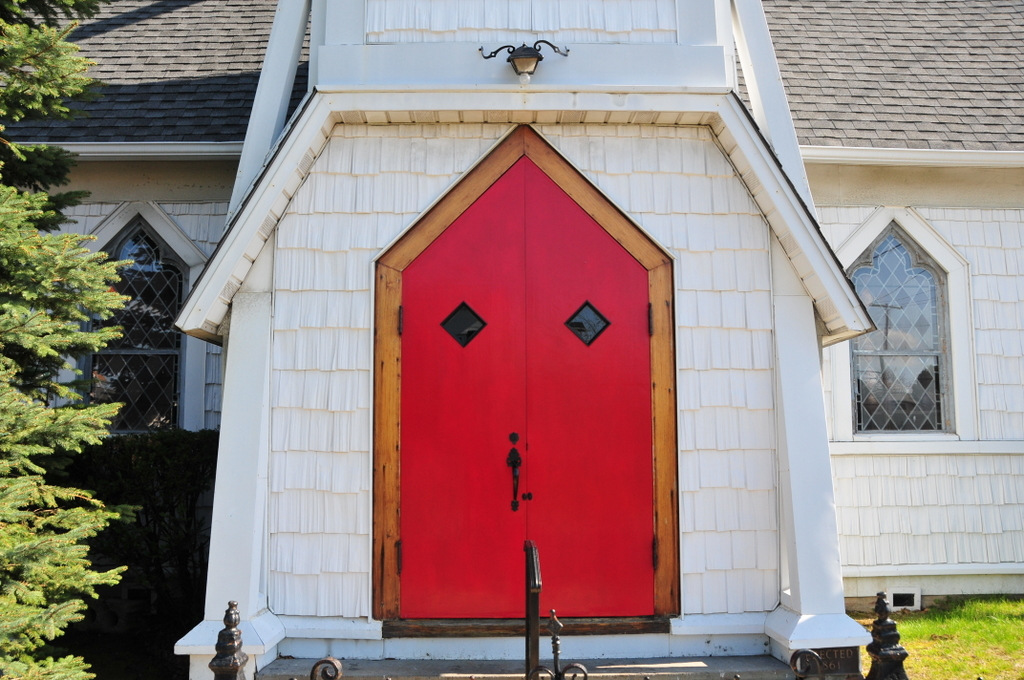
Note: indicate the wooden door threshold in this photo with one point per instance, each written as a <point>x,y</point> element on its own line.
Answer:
<point>443,628</point>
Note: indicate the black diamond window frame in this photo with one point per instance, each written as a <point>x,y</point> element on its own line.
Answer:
<point>863,350</point>
<point>146,362</point>
<point>463,324</point>
<point>585,329</point>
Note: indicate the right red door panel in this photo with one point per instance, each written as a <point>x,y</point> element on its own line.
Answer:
<point>589,412</point>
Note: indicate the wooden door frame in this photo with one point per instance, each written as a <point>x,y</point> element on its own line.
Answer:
<point>523,141</point>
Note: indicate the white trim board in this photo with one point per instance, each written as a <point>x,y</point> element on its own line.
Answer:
<point>152,151</point>
<point>933,570</point>
<point>915,444</point>
<point>935,158</point>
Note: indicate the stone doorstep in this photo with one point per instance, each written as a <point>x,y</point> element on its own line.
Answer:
<point>680,668</point>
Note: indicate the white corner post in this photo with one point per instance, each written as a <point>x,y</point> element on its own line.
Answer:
<point>273,93</point>
<point>238,528</point>
<point>767,92</point>
<point>812,614</point>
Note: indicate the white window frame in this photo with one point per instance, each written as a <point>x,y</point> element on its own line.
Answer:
<point>192,369</point>
<point>962,385</point>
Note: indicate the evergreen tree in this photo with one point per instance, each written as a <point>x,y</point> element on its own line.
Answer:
<point>51,286</point>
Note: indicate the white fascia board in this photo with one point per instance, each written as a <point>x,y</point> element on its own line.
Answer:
<point>207,303</point>
<point>795,226</point>
<point>932,158</point>
<point>979,569</point>
<point>152,151</point>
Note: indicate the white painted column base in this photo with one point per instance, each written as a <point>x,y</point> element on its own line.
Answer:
<point>789,631</point>
<point>260,637</point>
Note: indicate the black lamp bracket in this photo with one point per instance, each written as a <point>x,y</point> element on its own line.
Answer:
<point>536,48</point>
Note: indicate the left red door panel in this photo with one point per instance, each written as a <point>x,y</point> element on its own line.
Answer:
<point>462,546</point>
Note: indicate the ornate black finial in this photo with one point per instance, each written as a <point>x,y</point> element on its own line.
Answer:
<point>230,660</point>
<point>886,652</point>
<point>554,626</point>
<point>571,671</point>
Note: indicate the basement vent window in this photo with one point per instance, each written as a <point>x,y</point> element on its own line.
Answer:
<point>905,598</point>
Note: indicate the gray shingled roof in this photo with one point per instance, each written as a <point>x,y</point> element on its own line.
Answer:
<point>922,74</point>
<point>919,74</point>
<point>172,70</point>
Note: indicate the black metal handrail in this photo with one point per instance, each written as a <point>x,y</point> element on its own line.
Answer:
<point>533,588</point>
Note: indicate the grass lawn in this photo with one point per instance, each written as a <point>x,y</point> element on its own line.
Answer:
<point>961,639</point>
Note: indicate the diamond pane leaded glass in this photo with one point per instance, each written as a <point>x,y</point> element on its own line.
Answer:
<point>140,369</point>
<point>147,385</point>
<point>897,368</point>
<point>898,393</point>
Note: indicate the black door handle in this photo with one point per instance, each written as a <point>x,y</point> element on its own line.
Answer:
<point>514,461</point>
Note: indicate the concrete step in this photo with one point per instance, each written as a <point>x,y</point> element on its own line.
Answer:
<point>683,668</point>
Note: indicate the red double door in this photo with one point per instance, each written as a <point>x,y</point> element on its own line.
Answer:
<point>525,325</point>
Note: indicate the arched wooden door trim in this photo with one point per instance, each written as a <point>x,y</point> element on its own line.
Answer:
<point>523,141</point>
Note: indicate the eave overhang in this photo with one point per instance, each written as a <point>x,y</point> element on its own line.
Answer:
<point>150,151</point>
<point>921,158</point>
<point>840,311</point>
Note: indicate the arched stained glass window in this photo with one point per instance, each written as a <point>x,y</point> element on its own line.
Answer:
<point>899,370</point>
<point>141,369</point>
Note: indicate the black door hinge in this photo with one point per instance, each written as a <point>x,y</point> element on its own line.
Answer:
<point>654,552</point>
<point>398,554</point>
<point>650,319</point>
<point>401,318</point>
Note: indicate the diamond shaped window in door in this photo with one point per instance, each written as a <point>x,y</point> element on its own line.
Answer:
<point>463,324</point>
<point>587,323</point>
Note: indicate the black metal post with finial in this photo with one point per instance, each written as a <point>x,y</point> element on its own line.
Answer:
<point>229,662</point>
<point>559,673</point>
<point>886,652</point>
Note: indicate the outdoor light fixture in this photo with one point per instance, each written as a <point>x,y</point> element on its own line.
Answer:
<point>524,59</point>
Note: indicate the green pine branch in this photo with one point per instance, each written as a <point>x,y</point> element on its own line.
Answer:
<point>52,289</point>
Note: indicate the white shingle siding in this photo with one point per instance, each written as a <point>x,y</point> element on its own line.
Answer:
<point>213,390</point>
<point>930,509</point>
<point>368,185</point>
<point>990,241</point>
<point>86,217</point>
<point>515,21</point>
<point>202,222</point>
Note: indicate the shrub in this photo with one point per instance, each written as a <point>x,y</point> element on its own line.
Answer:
<point>161,482</point>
